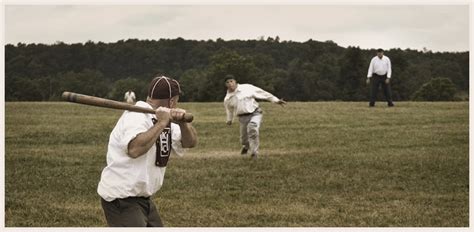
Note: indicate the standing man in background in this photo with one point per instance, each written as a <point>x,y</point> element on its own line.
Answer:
<point>380,71</point>
<point>240,101</point>
<point>137,155</point>
<point>130,97</point>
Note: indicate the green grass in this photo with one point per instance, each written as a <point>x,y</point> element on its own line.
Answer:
<point>322,164</point>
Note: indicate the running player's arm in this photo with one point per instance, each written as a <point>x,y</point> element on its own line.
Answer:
<point>229,110</point>
<point>264,95</point>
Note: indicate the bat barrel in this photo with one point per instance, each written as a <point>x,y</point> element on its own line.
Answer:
<point>102,102</point>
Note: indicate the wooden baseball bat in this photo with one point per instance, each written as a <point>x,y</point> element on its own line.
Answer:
<point>107,103</point>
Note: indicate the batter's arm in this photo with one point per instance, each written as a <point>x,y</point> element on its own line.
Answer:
<point>144,141</point>
<point>188,135</point>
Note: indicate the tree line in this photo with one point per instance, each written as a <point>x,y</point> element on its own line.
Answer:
<point>295,71</point>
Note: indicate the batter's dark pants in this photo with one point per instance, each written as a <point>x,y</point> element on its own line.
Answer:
<point>131,212</point>
<point>377,81</point>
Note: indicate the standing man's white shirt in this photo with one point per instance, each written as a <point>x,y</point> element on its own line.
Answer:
<point>242,100</point>
<point>380,67</point>
<point>130,97</point>
<point>128,177</point>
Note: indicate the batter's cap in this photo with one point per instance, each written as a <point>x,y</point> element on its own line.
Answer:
<point>163,88</point>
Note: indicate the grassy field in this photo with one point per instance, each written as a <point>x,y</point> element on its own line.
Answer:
<point>322,164</point>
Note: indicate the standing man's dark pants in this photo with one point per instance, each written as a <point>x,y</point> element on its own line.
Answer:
<point>379,80</point>
<point>131,212</point>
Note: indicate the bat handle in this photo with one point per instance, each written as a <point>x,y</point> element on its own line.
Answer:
<point>187,117</point>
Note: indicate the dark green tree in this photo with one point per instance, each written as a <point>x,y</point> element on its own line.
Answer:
<point>228,62</point>
<point>26,90</point>
<point>352,77</point>
<point>89,82</point>
<point>193,85</point>
<point>139,87</point>
<point>437,89</point>
<point>302,71</point>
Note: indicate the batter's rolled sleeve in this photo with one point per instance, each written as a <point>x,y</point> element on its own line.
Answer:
<point>176,143</point>
<point>132,125</point>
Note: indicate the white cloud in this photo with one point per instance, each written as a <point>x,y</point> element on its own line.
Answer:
<point>443,28</point>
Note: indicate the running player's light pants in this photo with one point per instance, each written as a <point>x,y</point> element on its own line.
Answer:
<point>249,126</point>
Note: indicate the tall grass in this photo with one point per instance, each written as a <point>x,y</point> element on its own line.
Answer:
<point>322,164</point>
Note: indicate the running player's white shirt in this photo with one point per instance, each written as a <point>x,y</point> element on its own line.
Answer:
<point>242,100</point>
<point>127,177</point>
<point>129,97</point>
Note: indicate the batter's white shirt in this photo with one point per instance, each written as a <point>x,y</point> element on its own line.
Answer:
<point>127,177</point>
<point>380,67</point>
<point>242,100</point>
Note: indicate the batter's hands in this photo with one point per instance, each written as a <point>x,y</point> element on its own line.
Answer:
<point>177,115</point>
<point>281,102</point>
<point>387,81</point>
<point>367,81</point>
<point>163,115</point>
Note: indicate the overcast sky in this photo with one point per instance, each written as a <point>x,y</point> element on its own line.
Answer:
<point>436,27</point>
